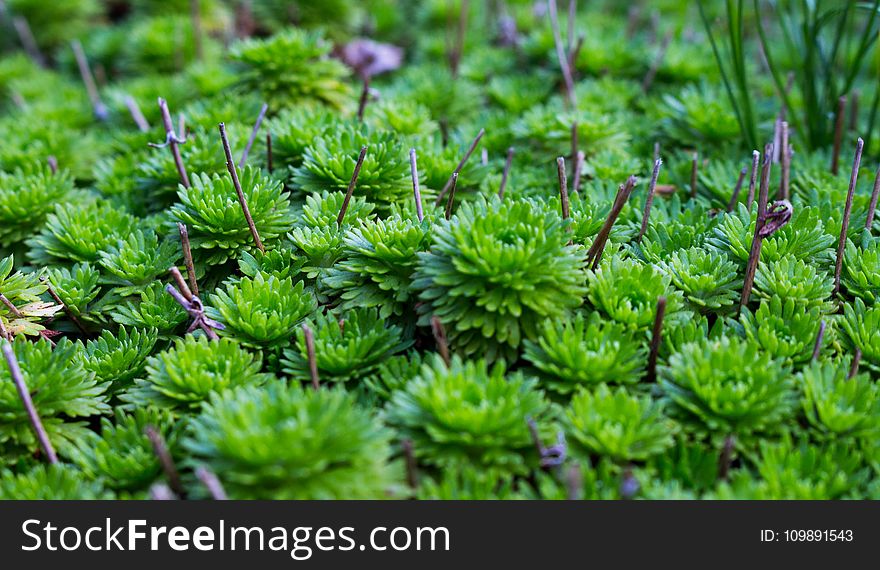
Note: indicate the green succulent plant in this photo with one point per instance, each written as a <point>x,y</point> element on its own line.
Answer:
<point>216,222</point>
<point>346,348</point>
<point>22,291</point>
<point>861,271</point>
<point>836,406</point>
<point>335,448</point>
<point>329,162</point>
<point>468,414</point>
<point>799,470</point>
<point>116,359</point>
<point>292,65</point>
<point>77,287</point>
<point>155,308</point>
<point>708,280</point>
<point>627,292</point>
<point>27,197</point>
<point>803,238</point>
<point>378,263</point>
<point>613,423</point>
<point>784,329</point>
<point>860,324</point>
<point>495,271</point>
<point>63,393</point>
<point>791,279</point>
<point>136,261</point>
<point>184,376</point>
<point>121,455</point>
<point>59,482</point>
<point>583,351</point>
<point>79,233</point>
<point>263,311</point>
<point>728,386</point>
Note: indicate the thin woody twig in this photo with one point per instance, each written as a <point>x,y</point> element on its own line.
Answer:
<point>74,319</point>
<point>655,65</point>
<point>726,457</point>
<point>196,311</point>
<point>230,166</point>
<point>563,188</point>
<point>872,206</point>
<point>98,107</point>
<point>310,355</point>
<point>28,403</point>
<point>181,284</point>
<point>161,492</point>
<point>755,252</point>
<point>695,163</point>
<point>785,158</point>
<point>451,200</point>
<point>188,258</point>
<point>578,170</point>
<point>574,483</point>
<point>351,184</point>
<point>195,14</point>
<point>172,140</point>
<point>656,335</point>
<point>734,198</point>
<point>160,448</point>
<point>574,144</point>
<point>568,82</point>
<point>28,42</point>
<point>9,305</point>
<point>365,97</point>
<point>269,152</point>
<point>440,339</point>
<point>854,367</point>
<point>53,163</point>
<point>594,254</point>
<point>460,165</point>
<point>253,137</point>
<point>136,114</point>
<point>506,173</point>
<point>753,180</point>
<point>417,193</point>
<point>649,199</point>
<point>212,483</point>
<point>847,210</point>
<point>412,475</point>
<point>820,336</point>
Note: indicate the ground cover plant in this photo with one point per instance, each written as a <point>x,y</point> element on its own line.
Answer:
<point>439,250</point>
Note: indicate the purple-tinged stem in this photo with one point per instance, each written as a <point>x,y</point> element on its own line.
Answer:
<point>417,193</point>
<point>66,309</point>
<point>98,107</point>
<point>351,184</point>
<point>594,254</point>
<point>755,252</point>
<point>567,79</point>
<point>460,165</point>
<point>253,137</point>
<point>230,166</point>
<point>160,448</point>
<point>136,114</point>
<point>734,198</point>
<point>847,210</point>
<point>656,336</point>
<point>649,199</point>
<point>172,140</point>
<point>440,338</point>
<point>188,258</point>
<point>28,403</point>
<point>820,337</point>
<point>212,483</point>
<point>451,200</point>
<point>753,180</point>
<point>872,206</point>
<point>310,354</point>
